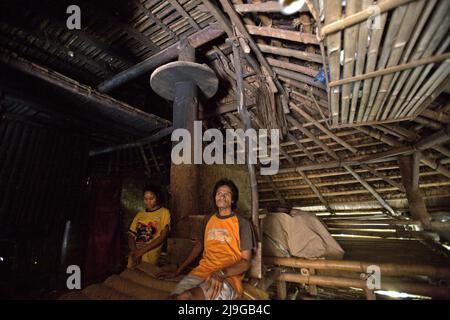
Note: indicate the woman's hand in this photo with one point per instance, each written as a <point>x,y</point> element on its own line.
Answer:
<point>136,257</point>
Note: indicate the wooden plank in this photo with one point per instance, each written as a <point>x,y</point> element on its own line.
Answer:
<point>269,6</point>
<point>293,67</point>
<point>282,34</point>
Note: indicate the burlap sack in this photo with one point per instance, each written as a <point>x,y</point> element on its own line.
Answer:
<point>302,235</point>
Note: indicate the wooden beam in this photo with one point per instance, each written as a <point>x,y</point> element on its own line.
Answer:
<point>307,133</point>
<point>292,66</point>
<point>236,20</point>
<point>154,138</point>
<point>383,177</point>
<point>394,142</point>
<point>390,155</point>
<point>196,40</point>
<point>291,53</point>
<point>275,190</point>
<point>322,128</point>
<point>300,146</point>
<point>437,138</point>
<point>269,6</point>
<point>315,190</point>
<point>282,34</point>
<point>371,190</point>
<point>299,77</point>
<point>112,106</point>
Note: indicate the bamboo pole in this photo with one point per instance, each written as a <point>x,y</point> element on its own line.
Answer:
<point>427,290</point>
<point>306,132</point>
<point>438,116</point>
<point>333,10</point>
<point>413,10</point>
<point>363,42</point>
<point>315,190</point>
<point>393,29</point>
<point>430,90</point>
<point>431,40</point>
<point>388,269</point>
<point>322,128</point>
<point>350,44</point>
<point>300,146</point>
<point>426,160</point>
<point>401,78</point>
<point>383,177</point>
<point>361,16</point>
<point>372,56</point>
<point>391,70</point>
<point>371,190</point>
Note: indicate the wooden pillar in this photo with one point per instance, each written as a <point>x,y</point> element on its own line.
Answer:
<point>409,169</point>
<point>184,177</point>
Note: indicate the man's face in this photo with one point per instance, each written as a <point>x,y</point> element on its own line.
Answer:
<point>149,199</point>
<point>223,197</point>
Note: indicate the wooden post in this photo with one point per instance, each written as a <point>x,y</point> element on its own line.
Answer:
<point>281,290</point>
<point>184,177</point>
<point>410,181</point>
<point>312,287</point>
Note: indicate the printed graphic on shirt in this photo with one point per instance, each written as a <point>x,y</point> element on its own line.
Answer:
<point>146,232</point>
<point>219,234</point>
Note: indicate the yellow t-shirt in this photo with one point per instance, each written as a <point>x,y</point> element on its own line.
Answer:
<point>147,226</point>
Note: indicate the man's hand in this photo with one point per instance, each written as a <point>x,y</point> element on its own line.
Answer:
<point>167,272</point>
<point>215,280</point>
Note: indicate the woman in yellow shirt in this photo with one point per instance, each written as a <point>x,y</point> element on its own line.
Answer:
<point>149,230</point>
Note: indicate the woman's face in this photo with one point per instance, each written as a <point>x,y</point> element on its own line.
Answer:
<point>150,200</point>
<point>223,197</point>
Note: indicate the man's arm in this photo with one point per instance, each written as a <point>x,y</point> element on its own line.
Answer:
<point>216,278</point>
<point>195,252</point>
<point>241,266</point>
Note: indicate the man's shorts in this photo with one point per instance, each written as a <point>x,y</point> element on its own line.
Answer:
<point>188,282</point>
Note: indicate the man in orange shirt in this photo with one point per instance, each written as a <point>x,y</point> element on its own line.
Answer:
<point>227,241</point>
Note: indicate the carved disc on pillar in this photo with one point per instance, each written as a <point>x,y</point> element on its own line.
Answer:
<point>163,79</point>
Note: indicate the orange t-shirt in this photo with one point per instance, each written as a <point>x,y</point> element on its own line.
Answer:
<point>224,238</point>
